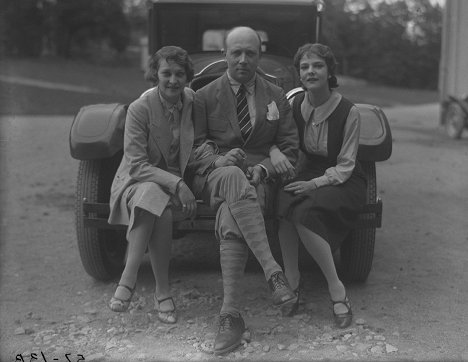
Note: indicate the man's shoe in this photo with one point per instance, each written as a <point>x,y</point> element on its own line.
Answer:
<point>291,309</point>
<point>280,289</point>
<point>231,328</point>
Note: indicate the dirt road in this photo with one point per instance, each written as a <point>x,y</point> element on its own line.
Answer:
<point>413,306</point>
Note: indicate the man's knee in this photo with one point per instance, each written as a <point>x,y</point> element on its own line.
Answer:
<point>225,225</point>
<point>233,174</point>
<point>235,185</point>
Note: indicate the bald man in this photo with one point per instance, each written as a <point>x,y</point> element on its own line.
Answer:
<point>243,115</point>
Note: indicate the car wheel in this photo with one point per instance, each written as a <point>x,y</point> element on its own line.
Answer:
<point>102,251</point>
<point>454,120</point>
<point>357,250</point>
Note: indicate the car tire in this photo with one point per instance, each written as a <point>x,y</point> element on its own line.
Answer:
<point>102,251</point>
<point>357,250</point>
<point>454,120</point>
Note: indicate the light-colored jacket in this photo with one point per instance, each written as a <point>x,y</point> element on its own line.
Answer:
<point>146,149</point>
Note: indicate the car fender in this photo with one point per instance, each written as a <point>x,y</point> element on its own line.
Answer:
<point>375,137</point>
<point>97,131</point>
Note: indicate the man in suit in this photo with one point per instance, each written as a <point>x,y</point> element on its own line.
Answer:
<point>242,115</point>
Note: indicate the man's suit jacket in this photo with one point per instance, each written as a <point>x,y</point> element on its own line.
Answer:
<point>215,119</point>
<point>146,149</point>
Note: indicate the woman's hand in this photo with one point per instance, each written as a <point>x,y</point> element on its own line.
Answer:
<point>300,187</point>
<point>254,174</point>
<point>281,164</point>
<point>186,199</point>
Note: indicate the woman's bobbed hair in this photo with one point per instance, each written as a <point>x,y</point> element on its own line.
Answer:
<point>173,53</point>
<point>323,52</point>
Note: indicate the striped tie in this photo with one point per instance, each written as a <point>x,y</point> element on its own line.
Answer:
<point>243,113</point>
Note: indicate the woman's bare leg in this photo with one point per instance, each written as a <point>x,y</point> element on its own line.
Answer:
<point>320,250</point>
<point>289,243</point>
<point>160,247</point>
<point>137,242</point>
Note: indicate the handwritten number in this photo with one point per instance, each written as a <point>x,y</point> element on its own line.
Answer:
<point>19,357</point>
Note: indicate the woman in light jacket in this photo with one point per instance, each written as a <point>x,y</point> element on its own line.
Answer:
<point>149,181</point>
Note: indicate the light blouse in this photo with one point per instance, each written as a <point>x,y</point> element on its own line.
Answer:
<point>172,112</point>
<point>316,136</point>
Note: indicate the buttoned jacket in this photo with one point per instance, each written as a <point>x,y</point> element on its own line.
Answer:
<point>147,141</point>
<point>215,119</point>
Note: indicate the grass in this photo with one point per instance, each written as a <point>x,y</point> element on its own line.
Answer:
<point>122,84</point>
<point>110,84</point>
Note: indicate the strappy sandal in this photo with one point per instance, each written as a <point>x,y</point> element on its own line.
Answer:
<point>343,320</point>
<point>291,309</point>
<point>121,305</point>
<point>168,317</point>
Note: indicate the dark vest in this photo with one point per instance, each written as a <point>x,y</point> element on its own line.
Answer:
<point>336,123</point>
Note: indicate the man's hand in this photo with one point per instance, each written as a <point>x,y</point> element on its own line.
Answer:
<point>187,199</point>
<point>300,187</point>
<point>255,174</point>
<point>281,164</point>
<point>235,157</point>
<point>204,150</point>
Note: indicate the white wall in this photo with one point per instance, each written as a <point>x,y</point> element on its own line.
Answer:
<point>453,72</point>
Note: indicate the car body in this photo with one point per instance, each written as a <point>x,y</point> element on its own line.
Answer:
<point>282,25</point>
<point>96,135</point>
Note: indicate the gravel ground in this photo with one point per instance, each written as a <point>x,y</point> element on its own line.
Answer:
<point>412,307</point>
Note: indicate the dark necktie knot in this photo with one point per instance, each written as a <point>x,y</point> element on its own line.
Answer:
<point>241,91</point>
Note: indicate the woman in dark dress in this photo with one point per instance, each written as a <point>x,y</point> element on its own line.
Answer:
<point>321,204</point>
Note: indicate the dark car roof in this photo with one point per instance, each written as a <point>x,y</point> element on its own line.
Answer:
<point>267,2</point>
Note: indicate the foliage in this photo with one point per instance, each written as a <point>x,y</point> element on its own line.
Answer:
<point>79,23</point>
<point>22,25</point>
<point>395,43</point>
<point>63,27</point>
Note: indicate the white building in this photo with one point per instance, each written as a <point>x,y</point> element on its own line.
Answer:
<point>453,70</point>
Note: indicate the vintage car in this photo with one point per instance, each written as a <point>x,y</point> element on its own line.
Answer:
<point>96,135</point>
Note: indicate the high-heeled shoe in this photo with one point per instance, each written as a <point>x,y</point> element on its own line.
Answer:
<point>168,317</point>
<point>291,309</point>
<point>343,320</point>
<point>121,305</point>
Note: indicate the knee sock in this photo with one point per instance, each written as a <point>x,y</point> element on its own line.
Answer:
<point>233,258</point>
<point>249,219</point>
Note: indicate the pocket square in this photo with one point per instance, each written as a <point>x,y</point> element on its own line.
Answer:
<point>272,111</point>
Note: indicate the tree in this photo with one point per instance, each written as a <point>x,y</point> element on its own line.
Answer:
<point>22,27</point>
<point>389,42</point>
<point>80,23</point>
